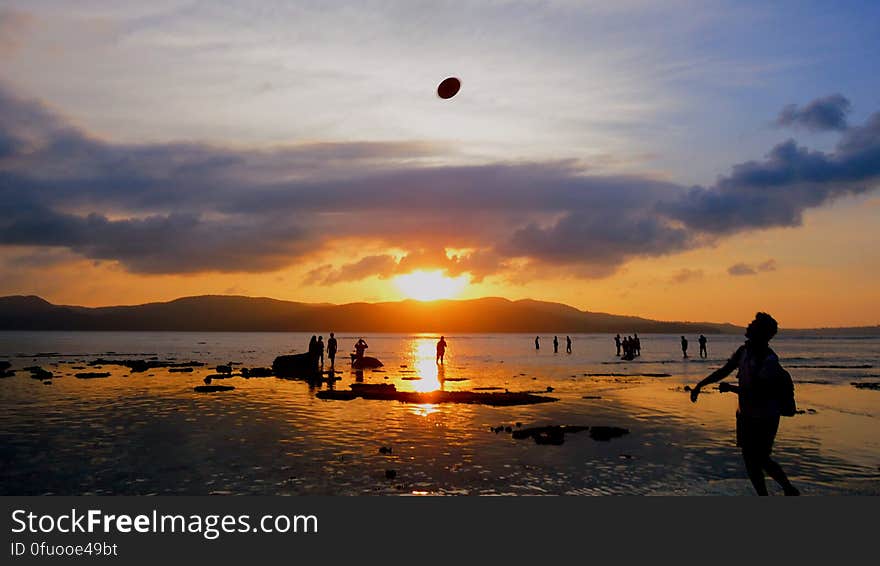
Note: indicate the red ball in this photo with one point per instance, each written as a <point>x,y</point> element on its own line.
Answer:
<point>448,88</point>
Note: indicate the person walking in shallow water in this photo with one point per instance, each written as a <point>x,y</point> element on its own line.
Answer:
<point>568,344</point>
<point>684,347</point>
<point>765,393</point>
<point>441,349</point>
<point>556,344</point>
<point>617,343</point>
<point>637,345</point>
<point>537,343</point>
<point>704,352</point>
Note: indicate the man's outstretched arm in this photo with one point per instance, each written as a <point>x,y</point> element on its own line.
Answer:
<point>716,376</point>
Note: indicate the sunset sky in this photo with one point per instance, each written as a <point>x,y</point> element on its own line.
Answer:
<point>687,160</point>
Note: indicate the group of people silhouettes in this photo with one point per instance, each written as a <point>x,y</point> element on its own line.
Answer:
<point>631,346</point>
<point>316,350</point>
<point>703,341</point>
<point>555,344</point>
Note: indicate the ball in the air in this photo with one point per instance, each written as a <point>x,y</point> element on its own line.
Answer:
<point>448,88</point>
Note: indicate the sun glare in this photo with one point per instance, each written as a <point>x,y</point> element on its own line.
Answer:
<point>430,285</point>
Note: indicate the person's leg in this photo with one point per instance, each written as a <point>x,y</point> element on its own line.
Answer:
<point>755,470</point>
<point>775,471</point>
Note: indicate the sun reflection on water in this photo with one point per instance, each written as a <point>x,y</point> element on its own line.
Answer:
<point>424,355</point>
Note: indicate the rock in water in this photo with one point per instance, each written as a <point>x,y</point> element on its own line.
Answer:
<point>91,374</point>
<point>212,388</point>
<point>606,433</point>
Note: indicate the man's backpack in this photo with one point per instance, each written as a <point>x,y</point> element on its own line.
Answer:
<point>785,394</point>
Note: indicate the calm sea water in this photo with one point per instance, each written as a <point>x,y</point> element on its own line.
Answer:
<point>150,433</point>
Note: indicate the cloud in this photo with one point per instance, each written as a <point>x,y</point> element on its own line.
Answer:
<point>685,274</point>
<point>777,190</point>
<point>194,207</point>
<point>822,114</point>
<point>14,26</point>
<point>739,269</point>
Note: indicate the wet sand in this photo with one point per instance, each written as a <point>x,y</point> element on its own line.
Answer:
<point>149,432</point>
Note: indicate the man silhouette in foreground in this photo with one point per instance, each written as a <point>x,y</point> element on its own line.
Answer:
<point>761,390</point>
<point>441,349</point>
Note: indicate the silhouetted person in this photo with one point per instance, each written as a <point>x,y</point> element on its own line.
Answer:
<point>359,348</point>
<point>319,349</point>
<point>763,388</point>
<point>628,348</point>
<point>704,352</point>
<point>537,343</point>
<point>441,349</point>
<point>684,347</point>
<point>313,352</point>
<point>555,344</point>
<point>637,345</point>
<point>331,350</point>
<point>617,343</point>
<point>568,344</point>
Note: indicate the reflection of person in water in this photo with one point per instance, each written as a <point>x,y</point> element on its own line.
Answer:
<point>441,349</point>
<point>617,343</point>
<point>556,344</point>
<point>684,347</point>
<point>359,348</point>
<point>331,350</point>
<point>568,344</point>
<point>704,352</point>
<point>765,392</point>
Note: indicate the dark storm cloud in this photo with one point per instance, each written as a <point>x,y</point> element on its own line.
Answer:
<point>822,114</point>
<point>777,190</point>
<point>192,207</point>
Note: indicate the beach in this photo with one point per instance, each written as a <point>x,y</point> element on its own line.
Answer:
<point>148,432</point>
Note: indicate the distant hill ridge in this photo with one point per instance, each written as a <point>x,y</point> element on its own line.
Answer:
<point>239,313</point>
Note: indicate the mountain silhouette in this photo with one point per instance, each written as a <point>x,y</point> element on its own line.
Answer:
<point>238,313</point>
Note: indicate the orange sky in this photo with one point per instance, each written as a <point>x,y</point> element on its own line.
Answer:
<point>825,276</point>
<point>602,155</point>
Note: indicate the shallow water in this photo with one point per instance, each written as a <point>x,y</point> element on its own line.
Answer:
<point>150,433</point>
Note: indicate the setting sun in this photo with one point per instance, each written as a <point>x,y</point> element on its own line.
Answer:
<point>430,285</point>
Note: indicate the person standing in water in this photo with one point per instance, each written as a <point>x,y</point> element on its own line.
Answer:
<point>617,343</point>
<point>765,393</point>
<point>704,352</point>
<point>319,348</point>
<point>359,348</point>
<point>637,345</point>
<point>556,344</point>
<point>331,350</point>
<point>684,347</point>
<point>568,344</point>
<point>441,349</point>
<point>537,343</point>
